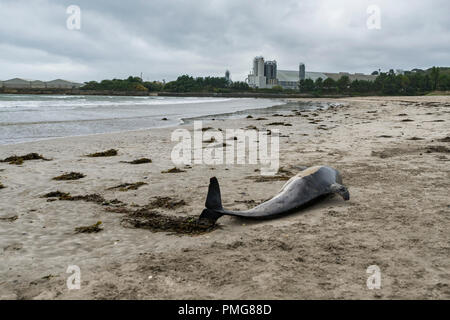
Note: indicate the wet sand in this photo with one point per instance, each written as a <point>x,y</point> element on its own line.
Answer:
<point>393,153</point>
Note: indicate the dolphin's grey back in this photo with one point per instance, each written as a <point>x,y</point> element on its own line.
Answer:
<point>301,189</point>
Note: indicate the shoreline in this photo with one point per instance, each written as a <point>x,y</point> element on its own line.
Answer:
<point>388,150</point>
<point>196,109</point>
<point>282,107</point>
<point>78,92</point>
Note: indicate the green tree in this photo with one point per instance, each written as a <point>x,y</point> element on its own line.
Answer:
<point>306,85</point>
<point>329,85</point>
<point>318,84</point>
<point>343,83</point>
<point>434,77</point>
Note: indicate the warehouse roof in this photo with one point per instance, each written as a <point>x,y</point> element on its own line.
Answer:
<point>293,76</point>
<point>286,75</point>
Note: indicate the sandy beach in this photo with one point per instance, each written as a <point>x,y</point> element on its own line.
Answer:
<point>392,152</point>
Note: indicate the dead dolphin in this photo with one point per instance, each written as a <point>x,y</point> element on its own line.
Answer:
<point>303,188</point>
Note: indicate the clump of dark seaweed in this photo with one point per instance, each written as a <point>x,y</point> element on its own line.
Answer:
<point>89,229</point>
<point>212,139</point>
<point>173,170</point>
<point>20,159</point>
<point>9,219</point>
<point>165,202</point>
<point>207,128</point>
<point>284,171</point>
<point>56,194</point>
<point>2,186</point>
<point>95,198</point>
<point>107,153</point>
<point>279,124</point>
<point>156,222</point>
<point>415,138</point>
<point>128,186</point>
<point>69,176</point>
<point>442,149</point>
<point>139,161</point>
<point>268,178</point>
<point>446,139</point>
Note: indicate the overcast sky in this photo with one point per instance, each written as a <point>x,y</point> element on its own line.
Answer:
<point>166,38</point>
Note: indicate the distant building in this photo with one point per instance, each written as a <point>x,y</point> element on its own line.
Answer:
<point>228,76</point>
<point>38,84</point>
<point>60,83</point>
<point>302,71</point>
<point>19,83</point>
<point>266,75</point>
<point>290,79</point>
<point>256,77</point>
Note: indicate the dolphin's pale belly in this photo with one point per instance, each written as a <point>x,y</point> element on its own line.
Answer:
<point>298,191</point>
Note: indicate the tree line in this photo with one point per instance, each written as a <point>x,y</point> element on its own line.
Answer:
<point>184,83</point>
<point>413,82</point>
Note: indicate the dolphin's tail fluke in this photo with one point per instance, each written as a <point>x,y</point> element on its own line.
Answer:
<point>213,204</point>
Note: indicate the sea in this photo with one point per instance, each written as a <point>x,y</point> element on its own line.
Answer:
<point>25,118</point>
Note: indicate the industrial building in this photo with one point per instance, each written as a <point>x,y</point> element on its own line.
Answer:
<point>266,75</point>
<point>19,83</point>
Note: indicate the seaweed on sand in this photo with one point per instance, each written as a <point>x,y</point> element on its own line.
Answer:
<point>268,178</point>
<point>69,176</point>
<point>95,198</point>
<point>207,128</point>
<point>89,229</point>
<point>156,222</point>
<point>139,161</point>
<point>9,219</point>
<point>128,186</point>
<point>165,202</point>
<point>27,157</point>
<point>415,138</point>
<point>56,194</point>
<point>2,186</point>
<point>211,140</point>
<point>173,170</point>
<point>107,153</point>
<point>279,124</point>
<point>442,149</point>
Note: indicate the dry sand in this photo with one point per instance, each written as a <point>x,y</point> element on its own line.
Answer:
<point>398,217</point>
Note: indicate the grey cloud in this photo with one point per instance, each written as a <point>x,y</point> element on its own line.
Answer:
<point>166,38</point>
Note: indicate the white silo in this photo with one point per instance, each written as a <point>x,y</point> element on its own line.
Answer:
<point>302,71</point>
<point>260,67</point>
